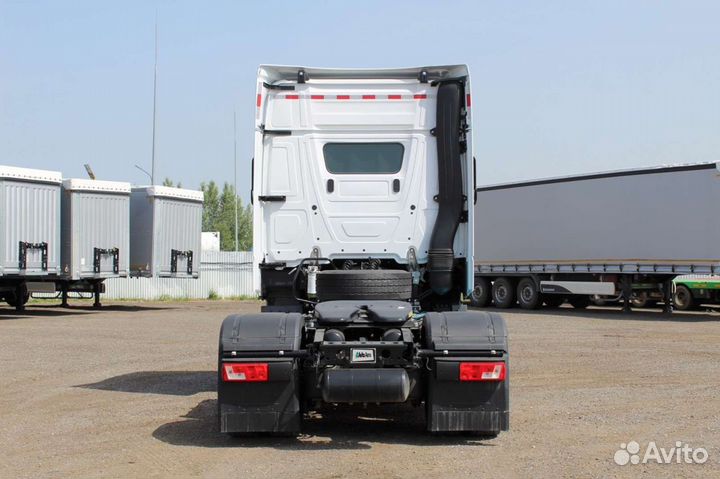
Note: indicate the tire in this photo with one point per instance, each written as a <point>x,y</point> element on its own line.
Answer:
<point>528,294</point>
<point>683,298</point>
<point>503,293</point>
<point>11,299</point>
<point>553,300</point>
<point>480,296</point>
<point>364,284</point>
<point>641,300</point>
<point>579,301</point>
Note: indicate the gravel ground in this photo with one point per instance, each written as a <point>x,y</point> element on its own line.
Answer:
<point>129,391</point>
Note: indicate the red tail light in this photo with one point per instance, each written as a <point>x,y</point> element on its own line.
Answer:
<point>292,97</point>
<point>259,100</point>
<point>482,371</point>
<point>420,96</point>
<point>394,97</point>
<point>245,372</point>
<point>468,103</point>
<point>343,97</point>
<point>317,97</point>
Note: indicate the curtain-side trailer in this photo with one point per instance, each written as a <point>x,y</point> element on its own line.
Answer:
<point>616,234</point>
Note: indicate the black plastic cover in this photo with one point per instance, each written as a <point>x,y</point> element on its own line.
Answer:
<point>262,332</point>
<point>465,331</point>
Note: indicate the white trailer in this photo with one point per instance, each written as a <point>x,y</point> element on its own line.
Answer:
<point>618,233</point>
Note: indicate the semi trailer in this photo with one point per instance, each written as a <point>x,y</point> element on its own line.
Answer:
<point>623,234</point>
<point>70,236</point>
<point>362,192</point>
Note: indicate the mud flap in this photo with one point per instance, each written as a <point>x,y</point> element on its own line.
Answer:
<point>481,407</point>
<point>270,405</point>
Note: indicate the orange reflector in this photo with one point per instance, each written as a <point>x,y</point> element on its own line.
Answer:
<point>420,96</point>
<point>482,371</point>
<point>245,372</point>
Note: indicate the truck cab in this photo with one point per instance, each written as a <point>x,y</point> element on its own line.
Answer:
<point>347,169</point>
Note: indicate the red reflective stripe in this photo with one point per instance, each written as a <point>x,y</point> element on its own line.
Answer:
<point>259,100</point>
<point>394,97</point>
<point>292,97</point>
<point>420,96</point>
<point>343,97</point>
<point>317,97</point>
<point>467,101</point>
<point>368,97</point>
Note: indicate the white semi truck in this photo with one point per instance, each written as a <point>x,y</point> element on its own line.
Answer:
<point>623,234</point>
<point>362,189</point>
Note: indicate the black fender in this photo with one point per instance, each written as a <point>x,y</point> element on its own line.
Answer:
<point>272,405</point>
<point>482,407</point>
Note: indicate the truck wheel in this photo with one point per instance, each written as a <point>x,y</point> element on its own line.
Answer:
<point>528,294</point>
<point>480,296</point>
<point>683,298</point>
<point>364,284</point>
<point>503,293</point>
<point>553,300</point>
<point>579,301</point>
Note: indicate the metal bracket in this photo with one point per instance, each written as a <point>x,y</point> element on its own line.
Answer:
<point>174,254</point>
<point>270,198</point>
<point>270,86</point>
<point>302,76</point>
<point>98,253</point>
<point>22,254</point>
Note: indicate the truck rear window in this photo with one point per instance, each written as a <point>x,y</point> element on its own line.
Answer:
<point>363,158</point>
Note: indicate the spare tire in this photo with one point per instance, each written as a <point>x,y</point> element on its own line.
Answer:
<point>364,284</point>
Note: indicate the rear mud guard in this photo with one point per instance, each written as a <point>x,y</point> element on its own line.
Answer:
<point>457,404</point>
<point>271,404</point>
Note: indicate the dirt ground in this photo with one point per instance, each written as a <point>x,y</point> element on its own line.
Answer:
<point>129,391</point>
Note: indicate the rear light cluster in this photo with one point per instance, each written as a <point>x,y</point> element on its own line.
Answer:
<point>482,371</point>
<point>245,372</point>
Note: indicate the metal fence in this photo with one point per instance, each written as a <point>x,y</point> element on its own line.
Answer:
<point>224,274</point>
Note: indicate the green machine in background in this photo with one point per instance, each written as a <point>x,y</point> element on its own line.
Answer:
<point>693,290</point>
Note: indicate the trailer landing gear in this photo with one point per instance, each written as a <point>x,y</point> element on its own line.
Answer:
<point>668,296</point>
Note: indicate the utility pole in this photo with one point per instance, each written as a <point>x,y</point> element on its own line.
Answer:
<point>154,171</point>
<point>235,177</point>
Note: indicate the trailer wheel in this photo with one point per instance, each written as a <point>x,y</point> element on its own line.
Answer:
<point>11,298</point>
<point>364,284</point>
<point>683,298</point>
<point>480,296</point>
<point>528,294</point>
<point>579,301</point>
<point>503,293</point>
<point>641,300</point>
<point>553,300</point>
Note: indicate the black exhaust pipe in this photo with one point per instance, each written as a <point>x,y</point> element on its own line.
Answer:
<point>450,192</point>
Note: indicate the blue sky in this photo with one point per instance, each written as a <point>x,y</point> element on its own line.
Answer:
<point>558,87</point>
